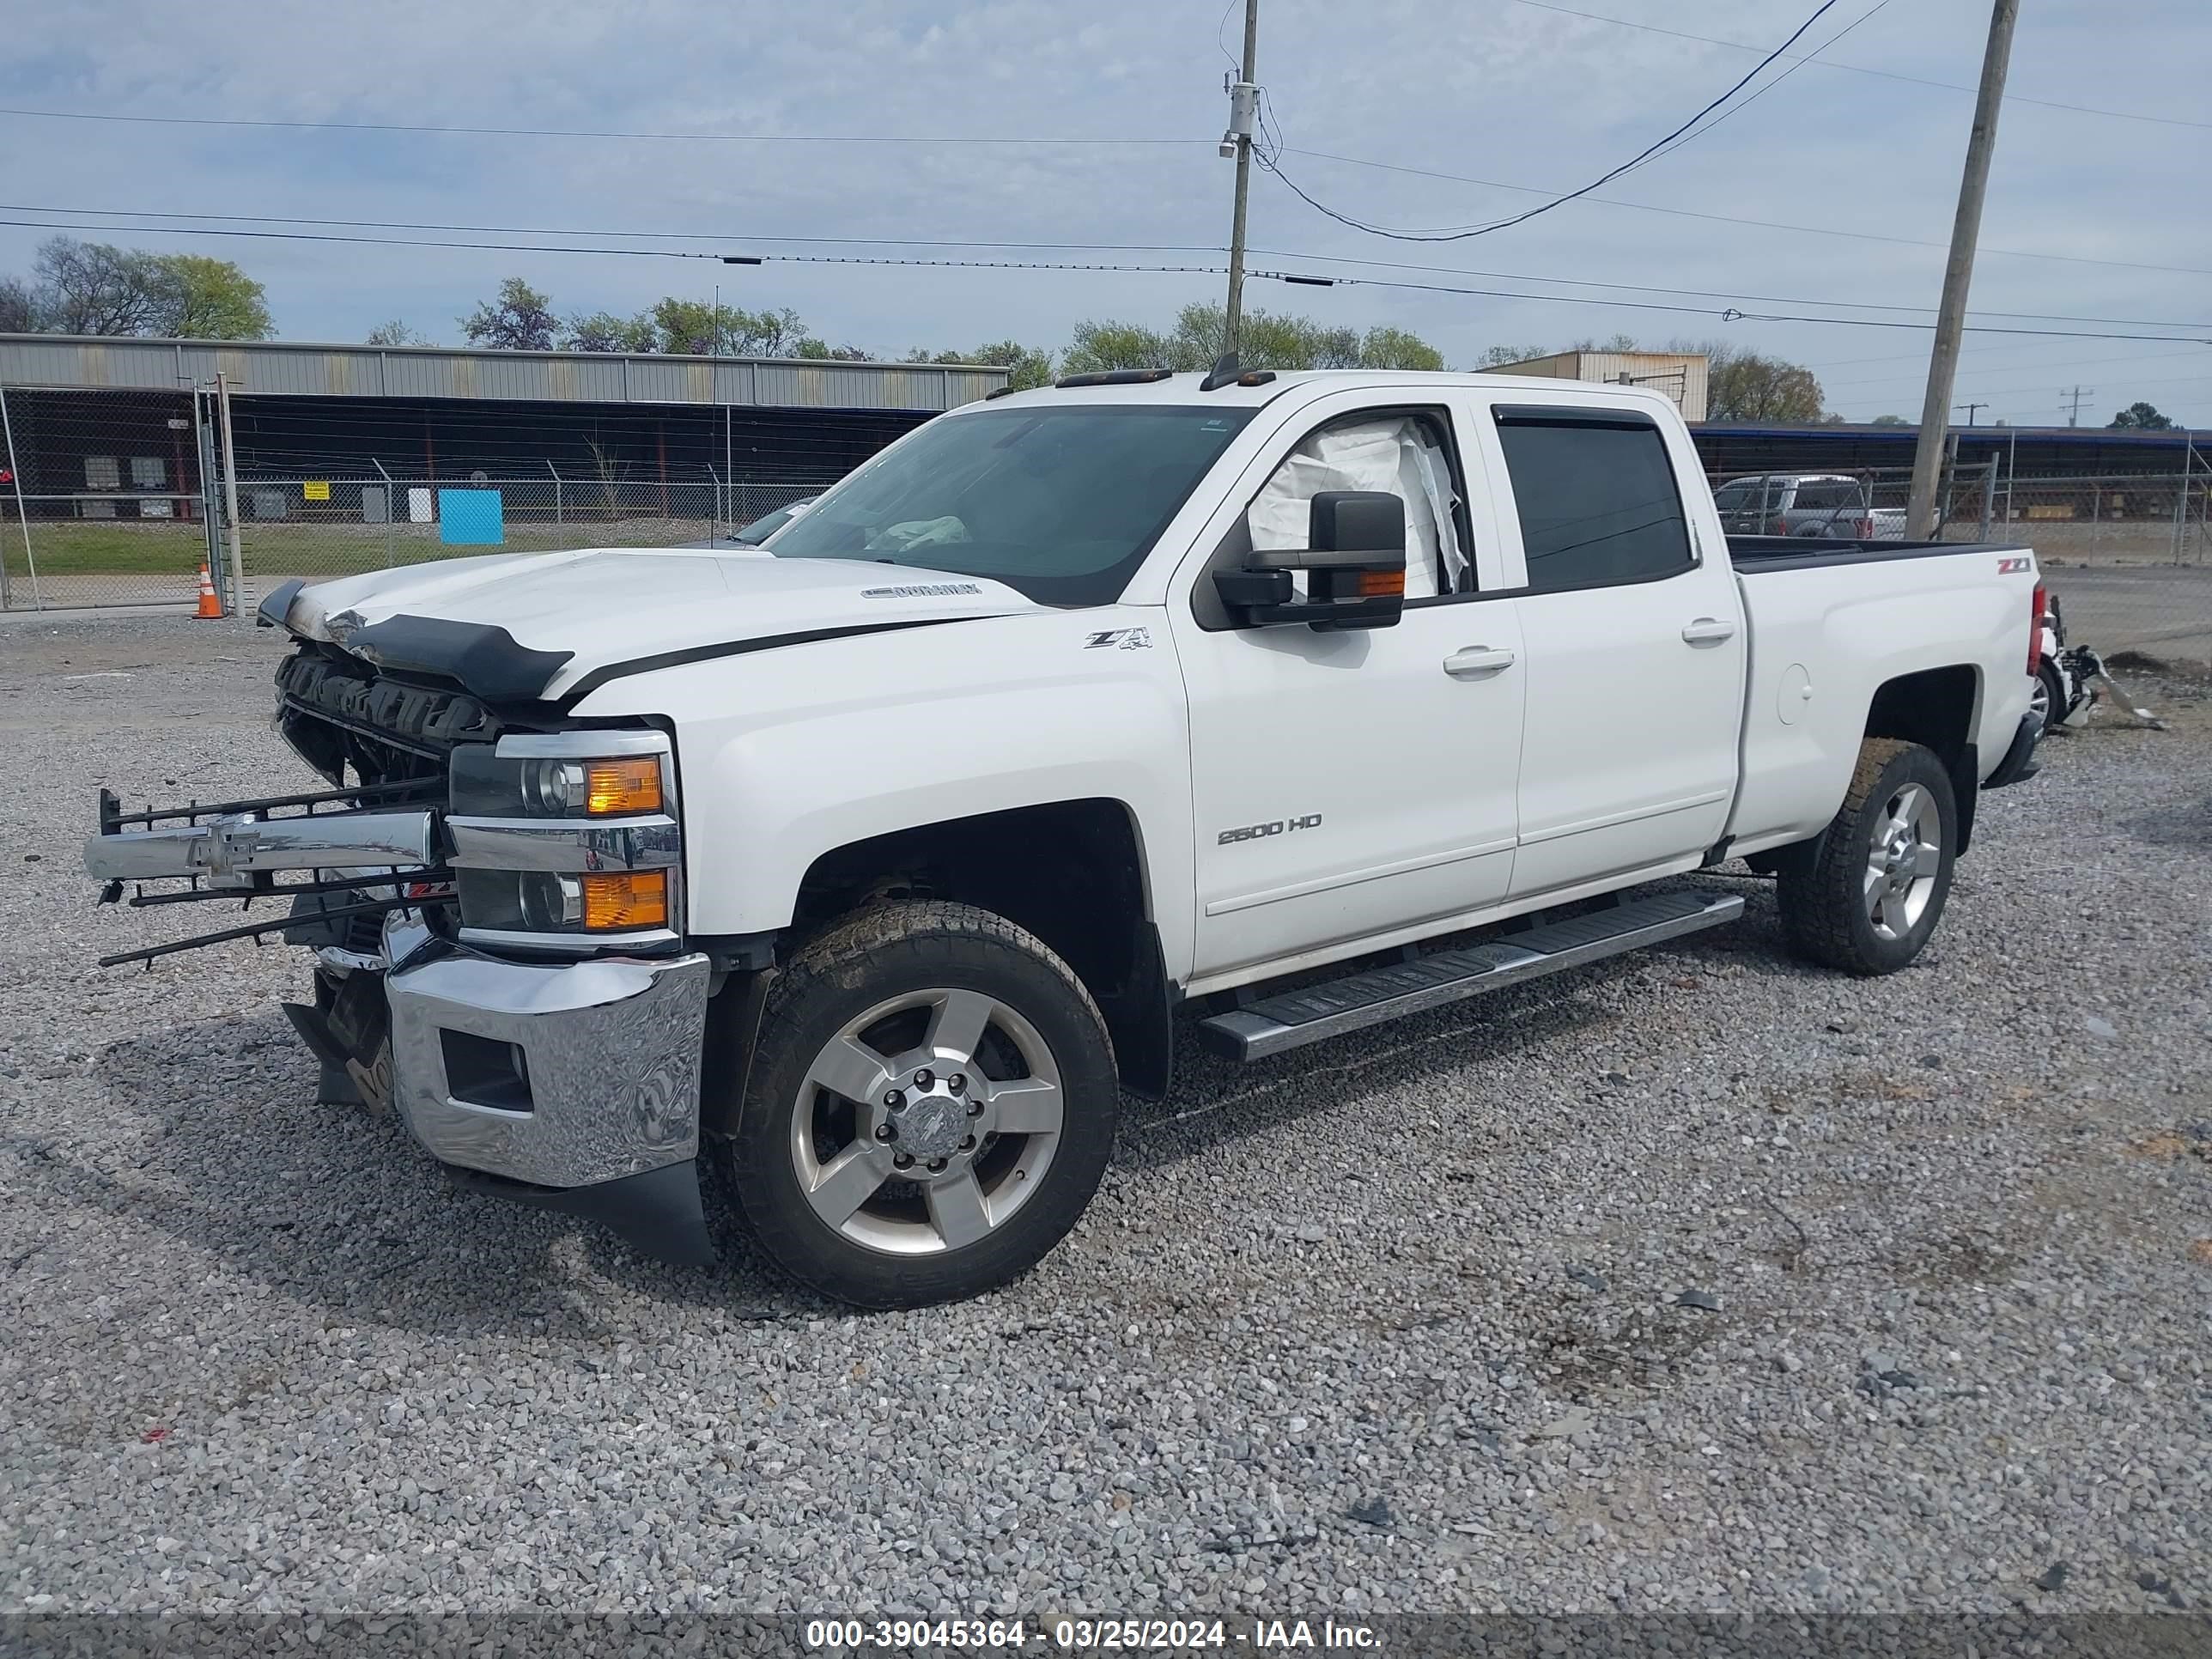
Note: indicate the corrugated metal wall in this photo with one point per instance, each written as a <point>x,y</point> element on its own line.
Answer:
<point>282,369</point>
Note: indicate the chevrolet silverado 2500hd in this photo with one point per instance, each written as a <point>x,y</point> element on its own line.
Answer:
<point>878,862</point>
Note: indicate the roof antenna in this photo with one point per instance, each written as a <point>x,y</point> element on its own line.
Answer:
<point>1223,371</point>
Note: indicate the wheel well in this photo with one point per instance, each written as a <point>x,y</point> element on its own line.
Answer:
<point>1934,708</point>
<point>1069,871</point>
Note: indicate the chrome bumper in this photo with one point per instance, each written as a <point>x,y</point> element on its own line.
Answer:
<point>558,1076</point>
<point>229,847</point>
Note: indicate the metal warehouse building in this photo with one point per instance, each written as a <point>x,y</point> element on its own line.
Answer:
<point>2029,452</point>
<point>435,412</point>
<point>351,457</point>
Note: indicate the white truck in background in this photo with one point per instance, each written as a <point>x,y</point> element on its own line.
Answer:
<point>878,862</point>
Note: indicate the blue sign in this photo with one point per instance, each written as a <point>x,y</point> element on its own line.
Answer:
<point>470,517</point>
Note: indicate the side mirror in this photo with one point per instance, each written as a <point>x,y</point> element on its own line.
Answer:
<point>1355,566</point>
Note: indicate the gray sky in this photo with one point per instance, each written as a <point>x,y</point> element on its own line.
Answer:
<point>2101,215</point>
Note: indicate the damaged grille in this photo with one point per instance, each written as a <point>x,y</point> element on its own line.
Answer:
<point>339,713</point>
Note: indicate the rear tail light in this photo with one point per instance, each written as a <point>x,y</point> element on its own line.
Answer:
<point>1777,526</point>
<point>2035,631</point>
<point>1864,530</point>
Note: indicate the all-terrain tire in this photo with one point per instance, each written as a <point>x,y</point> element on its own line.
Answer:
<point>878,957</point>
<point>1829,901</point>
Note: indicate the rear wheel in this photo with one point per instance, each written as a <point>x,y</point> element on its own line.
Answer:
<point>931,1106</point>
<point>2047,699</point>
<point>1868,898</point>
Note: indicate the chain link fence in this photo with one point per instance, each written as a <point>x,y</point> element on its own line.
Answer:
<point>321,527</point>
<point>2129,555</point>
<point>105,500</point>
<point>117,497</point>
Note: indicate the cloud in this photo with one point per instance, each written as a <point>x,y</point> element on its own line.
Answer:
<point>1489,90</point>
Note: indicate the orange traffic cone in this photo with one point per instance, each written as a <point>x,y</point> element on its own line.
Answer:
<point>210,606</point>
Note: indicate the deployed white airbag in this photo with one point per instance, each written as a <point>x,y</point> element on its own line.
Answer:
<point>1394,455</point>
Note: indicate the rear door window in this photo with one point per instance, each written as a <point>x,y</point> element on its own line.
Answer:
<point>1825,497</point>
<point>1597,496</point>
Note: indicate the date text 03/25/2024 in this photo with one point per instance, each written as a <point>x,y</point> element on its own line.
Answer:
<point>1087,1635</point>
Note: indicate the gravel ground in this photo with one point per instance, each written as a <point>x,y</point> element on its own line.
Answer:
<point>1697,1281</point>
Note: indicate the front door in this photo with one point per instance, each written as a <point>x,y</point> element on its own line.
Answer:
<point>1345,784</point>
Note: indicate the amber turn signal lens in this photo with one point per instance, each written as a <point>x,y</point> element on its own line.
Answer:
<point>1381,584</point>
<point>622,786</point>
<point>629,898</point>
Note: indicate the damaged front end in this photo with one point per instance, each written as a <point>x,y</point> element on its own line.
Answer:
<point>493,901</point>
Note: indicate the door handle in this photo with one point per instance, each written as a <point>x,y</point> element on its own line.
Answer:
<point>1474,661</point>
<point>1707,630</point>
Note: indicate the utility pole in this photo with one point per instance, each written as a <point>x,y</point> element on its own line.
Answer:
<point>2073,400</point>
<point>1972,410</point>
<point>1959,271</point>
<point>1244,106</point>
<point>230,498</point>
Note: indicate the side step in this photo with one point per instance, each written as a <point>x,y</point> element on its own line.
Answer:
<point>1296,1017</point>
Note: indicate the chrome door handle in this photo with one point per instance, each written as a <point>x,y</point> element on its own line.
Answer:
<point>1707,630</point>
<point>1476,660</point>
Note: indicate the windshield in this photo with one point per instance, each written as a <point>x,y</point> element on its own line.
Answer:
<point>765,526</point>
<point>1060,504</point>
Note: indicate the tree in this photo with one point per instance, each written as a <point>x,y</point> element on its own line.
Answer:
<point>1889,420</point>
<point>211,299</point>
<point>2139,417</point>
<point>18,307</point>
<point>94,288</point>
<point>602,330</point>
<point>1394,348</point>
<point>1098,347</point>
<point>761,333</point>
<point>1498,355</point>
<point>693,328</point>
<point>395,333</point>
<point>1264,340</point>
<point>523,319</point>
<point>1743,385</point>
<point>1027,367</point>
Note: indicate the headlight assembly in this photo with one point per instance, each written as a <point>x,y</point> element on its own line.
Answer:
<point>567,842</point>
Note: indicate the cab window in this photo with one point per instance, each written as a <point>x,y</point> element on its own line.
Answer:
<point>1597,496</point>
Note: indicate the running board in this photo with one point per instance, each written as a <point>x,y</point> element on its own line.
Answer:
<point>1295,1017</point>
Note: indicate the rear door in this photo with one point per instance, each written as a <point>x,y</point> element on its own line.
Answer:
<point>1633,638</point>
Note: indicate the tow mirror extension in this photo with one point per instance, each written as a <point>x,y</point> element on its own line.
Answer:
<point>1355,566</point>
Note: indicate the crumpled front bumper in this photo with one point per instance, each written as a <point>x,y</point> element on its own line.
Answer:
<point>573,1085</point>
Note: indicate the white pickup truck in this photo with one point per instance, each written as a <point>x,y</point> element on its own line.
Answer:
<point>878,861</point>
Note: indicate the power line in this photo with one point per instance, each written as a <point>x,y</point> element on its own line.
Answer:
<point>1727,219</point>
<point>1728,314</point>
<point>1279,150</point>
<point>1049,246</point>
<point>1105,247</point>
<point>1462,233</point>
<point>1814,56</point>
<point>1859,69</point>
<point>1732,315</point>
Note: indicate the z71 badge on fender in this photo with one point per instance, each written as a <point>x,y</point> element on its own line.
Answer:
<point>2013,567</point>
<point>1262,831</point>
<point>1125,639</point>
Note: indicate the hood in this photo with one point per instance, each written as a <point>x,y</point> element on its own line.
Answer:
<point>538,625</point>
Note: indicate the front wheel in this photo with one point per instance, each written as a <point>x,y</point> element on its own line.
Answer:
<point>931,1106</point>
<point>1868,898</point>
